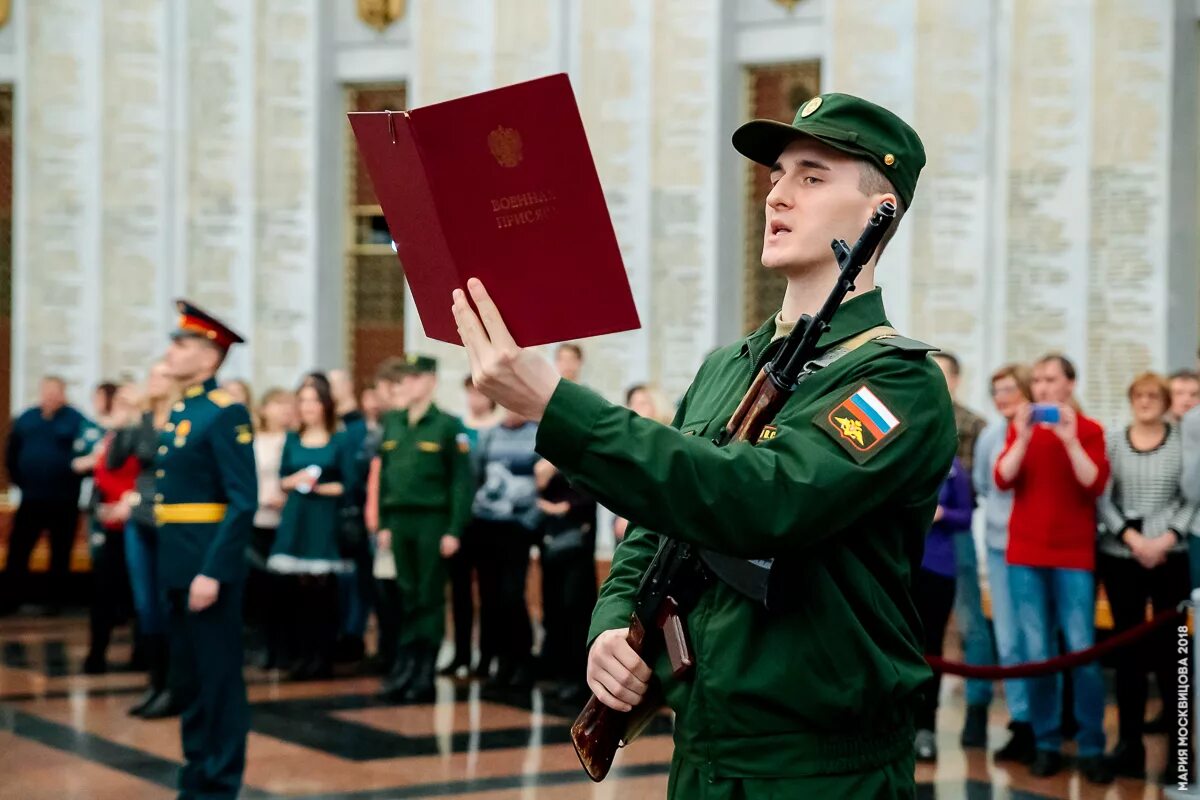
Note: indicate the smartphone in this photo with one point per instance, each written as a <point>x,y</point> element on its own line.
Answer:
<point>1044,412</point>
<point>314,474</point>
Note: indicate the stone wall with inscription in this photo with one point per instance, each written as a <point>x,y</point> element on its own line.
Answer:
<point>286,225</point>
<point>165,148</point>
<point>171,147</point>
<point>1042,220</point>
<point>56,292</point>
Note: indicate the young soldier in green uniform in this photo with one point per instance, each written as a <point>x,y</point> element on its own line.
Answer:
<point>207,495</point>
<point>816,701</point>
<point>425,492</point>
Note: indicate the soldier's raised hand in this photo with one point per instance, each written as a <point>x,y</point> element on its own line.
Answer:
<point>520,380</point>
<point>615,673</point>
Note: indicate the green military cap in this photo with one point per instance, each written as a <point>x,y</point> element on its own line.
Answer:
<point>416,364</point>
<point>849,124</point>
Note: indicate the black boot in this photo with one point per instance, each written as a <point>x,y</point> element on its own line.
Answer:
<point>153,651</point>
<point>1128,759</point>
<point>145,700</point>
<point>975,732</point>
<point>1046,764</point>
<point>457,663</point>
<point>162,706</point>
<point>1022,747</point>
<point>95,663</point>
<point>483,669</point>
<point>502,679</point>
<point>401,675</point>
<point>421,689</point>
<point>522,676</point>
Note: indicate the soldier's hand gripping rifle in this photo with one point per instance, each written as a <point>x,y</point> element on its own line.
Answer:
<point>677,577</point>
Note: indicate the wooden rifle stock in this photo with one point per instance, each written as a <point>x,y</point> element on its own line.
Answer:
<point>760,405</point>
<point>598,731</point>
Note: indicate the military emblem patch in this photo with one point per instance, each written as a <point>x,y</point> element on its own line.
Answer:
<point>768,433</point>
<point>464,442</point>
<point>860,422</point>
<point>244,434</point>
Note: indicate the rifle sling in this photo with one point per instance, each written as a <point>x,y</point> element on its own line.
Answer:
<point>752,577</point>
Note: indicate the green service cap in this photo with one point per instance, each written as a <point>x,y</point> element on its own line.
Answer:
<point>849,124</point>
<point>415,364</point>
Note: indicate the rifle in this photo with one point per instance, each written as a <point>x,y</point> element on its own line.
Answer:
<point>677,576</point>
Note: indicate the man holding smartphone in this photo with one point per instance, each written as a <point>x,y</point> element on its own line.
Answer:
<point>1054,462</point>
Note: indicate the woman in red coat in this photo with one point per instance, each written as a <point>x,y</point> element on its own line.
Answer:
<point>110,579</point>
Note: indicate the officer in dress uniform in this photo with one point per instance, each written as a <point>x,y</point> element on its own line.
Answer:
<point>425,493</point>
<point>813,697</point>
<point>207,495</point>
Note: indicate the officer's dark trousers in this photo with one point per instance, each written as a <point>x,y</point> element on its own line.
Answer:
<point>503,615</point>
<point>206,670</point>
<point>58,517</point>
<point>568,597</point>
<point>934,595</point>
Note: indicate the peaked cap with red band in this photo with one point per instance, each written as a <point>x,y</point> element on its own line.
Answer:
<point>196,322</point>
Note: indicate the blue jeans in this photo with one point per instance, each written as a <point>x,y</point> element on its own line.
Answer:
<point>1008,636</point>
<point>968,614</point>
<point>141,554</point>
<point>1045,596</point>
<point>356,591</point>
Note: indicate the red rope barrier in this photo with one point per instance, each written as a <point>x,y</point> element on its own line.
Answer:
<point>1058,663</point>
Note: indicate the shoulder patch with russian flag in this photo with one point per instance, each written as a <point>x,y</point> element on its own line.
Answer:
<point>860,422</point>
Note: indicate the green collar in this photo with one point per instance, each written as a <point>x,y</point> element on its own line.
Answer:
<point>429,414</point>
<point>198,389</point>
<point>859,313</point>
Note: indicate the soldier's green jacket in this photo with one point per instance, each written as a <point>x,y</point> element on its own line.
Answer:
<point>207,488</point>
<point>827,688</point>
<point>426,466</point>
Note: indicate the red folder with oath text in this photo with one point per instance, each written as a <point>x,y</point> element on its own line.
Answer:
<point>500,186</point>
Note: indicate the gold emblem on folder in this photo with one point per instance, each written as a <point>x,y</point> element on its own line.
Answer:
<point>505,144</point>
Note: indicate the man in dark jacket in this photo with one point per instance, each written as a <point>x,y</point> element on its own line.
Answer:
<point>41,447</point>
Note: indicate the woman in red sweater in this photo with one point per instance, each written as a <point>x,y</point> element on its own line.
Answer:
<point>1057,471</point>
<point>110,578</point>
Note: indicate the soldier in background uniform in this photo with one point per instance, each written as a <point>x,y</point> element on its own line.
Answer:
<point>425,493</point>
<point>815,701</point>
<point>207,496</point>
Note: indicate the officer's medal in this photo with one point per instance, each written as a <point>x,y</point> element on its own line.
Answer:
<point>181,432</point>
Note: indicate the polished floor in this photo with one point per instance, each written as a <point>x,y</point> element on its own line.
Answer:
<point>66,735</point>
